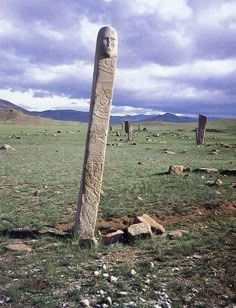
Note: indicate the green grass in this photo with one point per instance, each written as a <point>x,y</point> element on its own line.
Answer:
<point>39,184</point>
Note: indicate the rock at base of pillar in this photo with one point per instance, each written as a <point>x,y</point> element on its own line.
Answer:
<point>88,243</point>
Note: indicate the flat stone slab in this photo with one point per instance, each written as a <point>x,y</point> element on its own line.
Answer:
<point>113,237</point>
<point>206,170</point>
<point>19,247</point>
<point>229,172</point>
<point>156,227</point>
<point>139,231</point>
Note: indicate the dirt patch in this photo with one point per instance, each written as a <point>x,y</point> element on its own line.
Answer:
<point>113,224</point>
<point>108,225</point>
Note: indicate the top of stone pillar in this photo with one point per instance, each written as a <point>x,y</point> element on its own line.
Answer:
<point>107,42</point>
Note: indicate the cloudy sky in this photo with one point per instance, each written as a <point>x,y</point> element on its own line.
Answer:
<point>174,55</point>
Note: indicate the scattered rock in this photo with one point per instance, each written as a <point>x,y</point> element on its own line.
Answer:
<point>6,147</point>
<point>109,300</point>
<point>113,279</point>
<point>133,143</point>
<point>206,170</point>
<point>59,132</point>
<point>113,237</point>
<point>169,152</point>
<point>133,272</point>
<point>4,299</point>
<point>176,233</point>
<point>187,169</point>
<point>85,303</point>
<point>19,247</point>
<point>155,226</point>
<point>176,169</point>
<point>139,231</point>
<point>218,182</point>
<point>229,172</point>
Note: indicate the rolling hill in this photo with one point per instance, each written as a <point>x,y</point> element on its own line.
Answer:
<point>81,116</point>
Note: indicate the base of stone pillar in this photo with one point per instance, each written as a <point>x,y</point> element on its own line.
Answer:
<point>88,243</point>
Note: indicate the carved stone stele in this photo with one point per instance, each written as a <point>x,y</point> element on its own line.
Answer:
<point>200,132</point>
<point>94,159</point>
<point>126,127</point>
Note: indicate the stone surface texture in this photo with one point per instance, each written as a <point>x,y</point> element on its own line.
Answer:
<point>155,226</point>
<point>200,132</point>
<point>113,237</point>
<point>176,169</point>
<point>139,231</point>
<point>6,147</point>
<point>100,107</point>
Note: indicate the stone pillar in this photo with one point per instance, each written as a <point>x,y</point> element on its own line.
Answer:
<point>126,127</point>
<point>202,121</point>
<point>130,133</point>
<point>122,126</point>
<point>139,128</point>
<point>94,159</point>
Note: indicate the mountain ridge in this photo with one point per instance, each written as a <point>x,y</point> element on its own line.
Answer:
<point>83,116</point>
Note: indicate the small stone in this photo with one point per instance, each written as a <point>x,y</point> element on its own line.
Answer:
<point>169,152</point>
<point>113,279</point>
<point>139,198</point>
<point>85,303</point>
<point>176,233</point>
<point>19,247</point>
<point>104,266</point>
<point>133,272</point>
<point>105,275</point>
<point>218,182</point>
<point>156,227</point>
<point>6,147</point>
<point>139,231</point>
<point>96,273</point>
<point>101,292</point>
<point>113,237</point>
<point>109,300</point>
<point>176,169</point>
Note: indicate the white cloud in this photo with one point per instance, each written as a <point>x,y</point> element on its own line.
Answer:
<point>166,9</point>
<point>50,73</point>
<point>46,30</point>
<point>218,14</point>
<point>44,103</point>
<point>87,32</point>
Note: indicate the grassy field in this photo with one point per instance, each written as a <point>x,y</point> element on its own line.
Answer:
<point>39,182</point>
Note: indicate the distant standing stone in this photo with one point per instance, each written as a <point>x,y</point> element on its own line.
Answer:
<point>200,131</point>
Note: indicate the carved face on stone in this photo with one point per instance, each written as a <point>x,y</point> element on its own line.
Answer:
<point>109,42</point>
